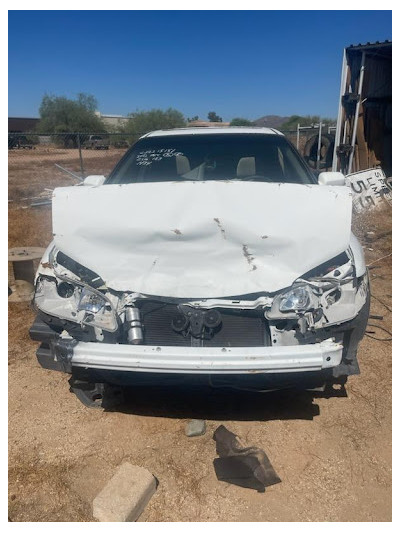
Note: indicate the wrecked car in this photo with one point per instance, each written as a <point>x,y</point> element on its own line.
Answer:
<point>206,252</point>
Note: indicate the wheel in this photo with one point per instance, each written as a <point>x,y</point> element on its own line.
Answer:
<point>311,151</point>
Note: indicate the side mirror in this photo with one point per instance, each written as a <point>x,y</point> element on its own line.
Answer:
<point>94,181</point>
<point>331,178</point>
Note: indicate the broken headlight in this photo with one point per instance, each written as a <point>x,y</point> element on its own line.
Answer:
<point>297,299</point>
<point>78,304</point>
<point>90,301</point>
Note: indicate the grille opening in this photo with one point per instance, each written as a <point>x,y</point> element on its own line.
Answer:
<point>239,328</point>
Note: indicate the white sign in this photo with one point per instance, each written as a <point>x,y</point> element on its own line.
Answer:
<point>370,188</point>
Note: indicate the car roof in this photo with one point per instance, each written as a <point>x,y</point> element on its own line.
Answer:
<point>212,131</point>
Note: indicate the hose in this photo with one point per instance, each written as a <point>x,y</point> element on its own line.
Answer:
<point>368,334</point>
<point>383,303</point>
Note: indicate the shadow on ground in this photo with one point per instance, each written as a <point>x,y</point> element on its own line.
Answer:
<point>209,403</point>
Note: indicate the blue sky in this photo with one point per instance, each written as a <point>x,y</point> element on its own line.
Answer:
<point>237,63</point>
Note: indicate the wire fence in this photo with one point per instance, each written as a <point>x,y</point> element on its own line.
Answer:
<point>35,161</point>
<point>83,153</point>
<point>97,153</point>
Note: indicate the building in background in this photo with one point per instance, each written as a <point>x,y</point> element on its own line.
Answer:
<point>206,124</point>
<point>113,122</point>
<point>22,124</point>
<point>364,125</point>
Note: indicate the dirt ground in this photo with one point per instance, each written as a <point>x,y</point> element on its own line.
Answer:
<point>332,454</point>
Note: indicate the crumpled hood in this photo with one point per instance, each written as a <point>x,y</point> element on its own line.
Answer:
<point>201,239</point>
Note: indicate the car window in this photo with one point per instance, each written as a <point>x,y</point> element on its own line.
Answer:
<point>212,157</point>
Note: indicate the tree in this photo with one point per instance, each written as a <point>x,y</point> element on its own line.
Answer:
<point>213,117</point>
<point>88,101</point>
<point>144,121</point>
<point>308,120</point>
<point>59,114</point>
<point>241,122</point>
<point>193,119</point>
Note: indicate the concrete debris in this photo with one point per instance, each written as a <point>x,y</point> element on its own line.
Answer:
<point>195,428</point>
<point>126,495</point>
<point>20,291</point>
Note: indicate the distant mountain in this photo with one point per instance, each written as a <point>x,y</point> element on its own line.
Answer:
<point>270,121</point>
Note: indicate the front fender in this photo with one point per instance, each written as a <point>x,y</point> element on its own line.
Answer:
<point>358,255</point>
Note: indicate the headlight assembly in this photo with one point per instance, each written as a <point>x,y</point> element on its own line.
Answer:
<point>65,290</point>
<point>74,302</point>
<point>90,301</point>
<point>297,299</point>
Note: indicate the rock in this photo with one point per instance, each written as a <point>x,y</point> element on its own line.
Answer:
<point>126,495</point>
<point>195,428</point>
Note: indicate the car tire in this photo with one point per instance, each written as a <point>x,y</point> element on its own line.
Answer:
<point>311,149</point>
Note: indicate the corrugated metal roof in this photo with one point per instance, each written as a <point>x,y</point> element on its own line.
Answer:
<point>377,44</point>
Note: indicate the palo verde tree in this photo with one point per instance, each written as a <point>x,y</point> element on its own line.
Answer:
<point>59,114</point>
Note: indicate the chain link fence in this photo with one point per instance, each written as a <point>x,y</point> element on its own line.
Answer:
<point>89,153</point>
<point>35,159</point>
<point>83,153</point>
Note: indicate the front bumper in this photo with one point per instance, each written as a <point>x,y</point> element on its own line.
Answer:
<point>81,353</point>
<point>177,360</point>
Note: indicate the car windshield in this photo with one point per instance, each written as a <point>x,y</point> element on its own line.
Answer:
<point>210,157</point>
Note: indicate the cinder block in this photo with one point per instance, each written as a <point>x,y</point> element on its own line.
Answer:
<point>195,428</point>
<point>125,496</point>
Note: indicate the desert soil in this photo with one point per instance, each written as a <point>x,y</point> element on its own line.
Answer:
<point>332,454</point>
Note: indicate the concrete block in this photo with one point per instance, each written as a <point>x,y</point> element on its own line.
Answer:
<point>125,496</point>
<point>195,428</point>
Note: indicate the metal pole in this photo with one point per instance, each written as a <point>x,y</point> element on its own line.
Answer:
<point>354,134</point>
<point>340,112</point>
<point>79,178</point>
<point>319,145</point>
<point>298,136</point>
<point>80,154</point>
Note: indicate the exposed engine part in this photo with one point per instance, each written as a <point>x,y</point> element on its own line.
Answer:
<point>180,323</point>
<point>212,318</point>
<point>198,322</point>
<point>134,325</point>
<point>196,318</point>
<point>238,328</point>
<point>302,325</point>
